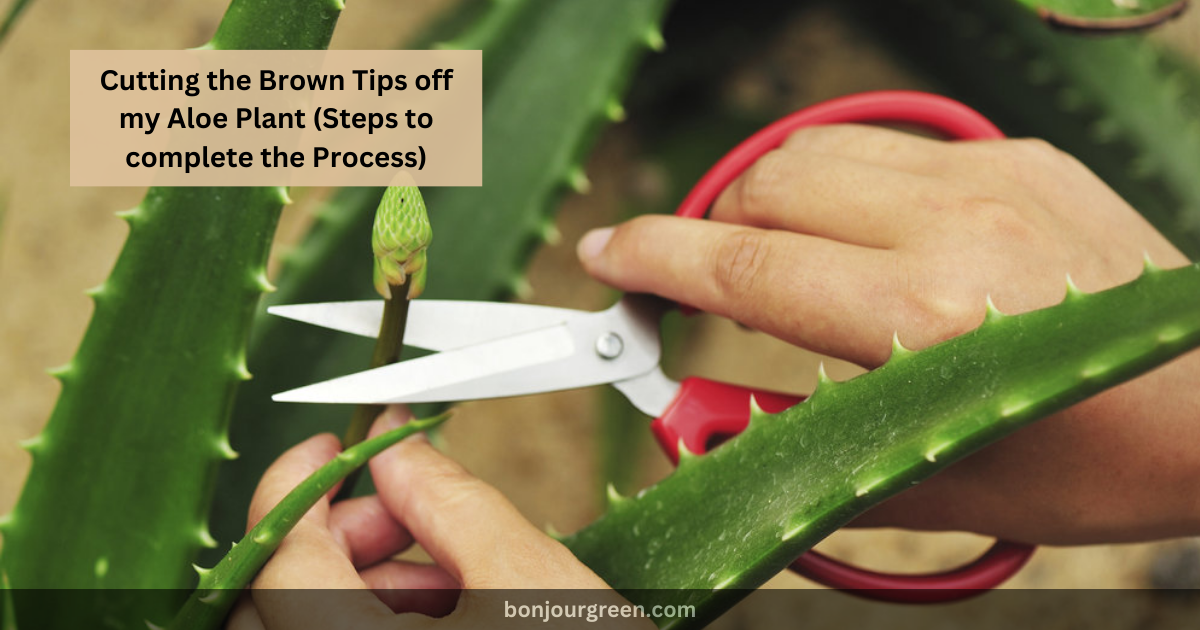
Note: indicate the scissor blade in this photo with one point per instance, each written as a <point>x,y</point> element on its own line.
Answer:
<point>559,357</point>
<point>432,324</point>
<point>412,381</point>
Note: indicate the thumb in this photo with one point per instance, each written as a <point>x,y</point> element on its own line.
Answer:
<point>468,527</point>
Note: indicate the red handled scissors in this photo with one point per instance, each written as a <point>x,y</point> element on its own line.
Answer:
<point>493,350</point>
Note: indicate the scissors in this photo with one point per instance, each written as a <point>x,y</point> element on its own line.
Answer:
<point>494,350</point>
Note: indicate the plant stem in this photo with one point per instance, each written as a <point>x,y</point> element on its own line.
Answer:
<point>388,345</point>
<point>220,586</point>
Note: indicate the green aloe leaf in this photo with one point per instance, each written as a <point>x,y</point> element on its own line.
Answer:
<point>123,473</point>
<point>729,520</point>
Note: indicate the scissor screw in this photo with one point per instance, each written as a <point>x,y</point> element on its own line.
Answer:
<point>609,345</point>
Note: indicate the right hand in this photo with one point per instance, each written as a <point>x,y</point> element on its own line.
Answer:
<point>847,234</point>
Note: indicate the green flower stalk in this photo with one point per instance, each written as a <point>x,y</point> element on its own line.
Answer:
<point>400,238</point>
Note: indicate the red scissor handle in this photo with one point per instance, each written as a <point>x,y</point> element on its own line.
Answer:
<point>704,413</point>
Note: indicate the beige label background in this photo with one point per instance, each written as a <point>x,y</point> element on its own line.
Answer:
<point>452,145</point>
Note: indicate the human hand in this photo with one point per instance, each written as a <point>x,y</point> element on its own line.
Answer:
<point>848,234</point>
<point>341,555</point>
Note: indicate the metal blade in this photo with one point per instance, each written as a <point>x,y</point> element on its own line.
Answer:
<point>651,392</point>
<point>399,382</point>
<point>594,348</point>
<point>432,324</point>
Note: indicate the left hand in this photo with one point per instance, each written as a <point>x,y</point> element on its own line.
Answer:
<point>476,537</point>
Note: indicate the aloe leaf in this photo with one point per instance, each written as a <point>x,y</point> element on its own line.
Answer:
<point>731,519</point>
<point>220,586</point>
<point>552,84</point>
<point>1123,105</point>
<point>1106,15</point>
<point>131,448</point>
<point>7,621</point>
<point>10,18</point>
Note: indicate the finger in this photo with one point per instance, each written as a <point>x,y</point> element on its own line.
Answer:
<point>245,615</point>
<point>410,587</point>
<point>309,557</point>
<point>321,609</point>
<point>367,531</point>
<point>287,472</point>
<point>468,527</point>
<point>875,145</point>
<point>810,291</point>
<point>830,196</point>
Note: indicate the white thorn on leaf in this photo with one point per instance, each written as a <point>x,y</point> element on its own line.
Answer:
<point>61,370</point>
<point>756,411</point>
<point>993,313</point>
<point>1171,334</point>
<point>654,39</point>
<point>225,449</point>
<point>262,283</point>
<point>205,539</point>
<point>1148,266</point>
<point>551,234</point>
<point>1092,370</point>
<point>724,584</point>
<point>1073,290</point>
<point>614,111</point>
<point>1011,408</point>
<point>614,497</point>
<point>794,531</point>
<point>32,444</point>
<point>822,377</point>
<point>578,180</point>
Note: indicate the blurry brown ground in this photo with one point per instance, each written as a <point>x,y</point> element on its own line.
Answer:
<point>55,241</point>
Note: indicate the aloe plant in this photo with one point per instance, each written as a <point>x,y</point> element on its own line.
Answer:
<point>731,519</point>
<point>132,445</point>
<point>1119,103</point>
<point>577,56</point>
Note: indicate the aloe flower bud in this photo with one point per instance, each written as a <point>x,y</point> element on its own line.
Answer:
<point>399,239</point>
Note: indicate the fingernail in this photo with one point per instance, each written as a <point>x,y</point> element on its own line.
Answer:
<point>593,243</point>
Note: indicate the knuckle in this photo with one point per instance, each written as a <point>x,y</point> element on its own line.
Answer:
<point>934,304</point>
<point>1036,148</point>
<point>1028,161</point>
<point>738,262</point>
<point>938,315</point>
<point>1001,222</point>
<point>760,186</point>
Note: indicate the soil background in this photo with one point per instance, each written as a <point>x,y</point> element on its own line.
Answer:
<point>56,241</point>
